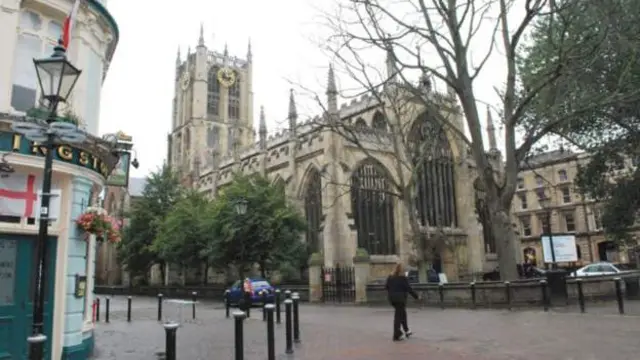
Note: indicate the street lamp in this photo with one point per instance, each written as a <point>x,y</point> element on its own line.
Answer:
<point>545,203</point>
<point>57,77</point>
<point>241,206</point>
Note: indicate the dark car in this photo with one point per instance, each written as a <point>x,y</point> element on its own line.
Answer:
<point>234,293</point>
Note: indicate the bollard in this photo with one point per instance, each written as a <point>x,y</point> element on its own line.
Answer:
<point>170,330</point>
<point>507,295</point>
<point>287,294</point>
<point>129,309</point>
<point>296,317</point>
<point>159,307</point>
<point>287,326</point>
<point>619,295</point>
<point>472,286</point>
<point>239,318</point>
<point>194,298</point>
<point>227,304</point>
<point>441,294</point>
<point>264,304</point>
<point>545,295</point>
<point>97,309</point>
<point>106,310</point>
<point>278,306</point>
<point>271,339</point>
<point>580,295</point>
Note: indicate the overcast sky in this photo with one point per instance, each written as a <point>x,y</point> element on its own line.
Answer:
<point>138,91</point>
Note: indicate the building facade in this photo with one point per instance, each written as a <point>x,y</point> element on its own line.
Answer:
<point>30,29</point>
<point>343,188</point>
<point>552,176</point>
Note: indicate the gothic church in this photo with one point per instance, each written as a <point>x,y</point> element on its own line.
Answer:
<point>213,137</point>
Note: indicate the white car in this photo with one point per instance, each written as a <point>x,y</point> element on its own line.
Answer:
<point>597,269</point>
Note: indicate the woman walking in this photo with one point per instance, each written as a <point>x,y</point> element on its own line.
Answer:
<point>397,289</point>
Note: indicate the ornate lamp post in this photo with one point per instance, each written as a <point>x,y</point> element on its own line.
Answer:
<point>545,203</point>
<point>57,77</point>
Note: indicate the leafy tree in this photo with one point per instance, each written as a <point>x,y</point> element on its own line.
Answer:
<point>608,69</point>
<point>146,215</point>
<point>453,33</point>
<point>267,234</point>
<point>183,235</point>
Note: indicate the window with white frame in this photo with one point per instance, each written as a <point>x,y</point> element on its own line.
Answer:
<point>562,175</point>
<point>37,36</point>
<point>597,218</point>
<point>525,225</point>
<point>520,183</point>
<point>569,221</point>
<point>566,194</point>
<point>539,181</point>
<point>523,201</point>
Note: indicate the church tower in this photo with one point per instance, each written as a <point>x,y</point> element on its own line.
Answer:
<point>212,109</point>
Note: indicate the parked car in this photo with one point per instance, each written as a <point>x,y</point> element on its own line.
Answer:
<point>597,269</point>
<point>234,292</point>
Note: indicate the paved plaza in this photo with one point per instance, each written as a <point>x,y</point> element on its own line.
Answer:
<point>364,333</point>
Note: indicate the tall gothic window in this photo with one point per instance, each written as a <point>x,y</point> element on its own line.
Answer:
<point>433,159</point>
<point>313,210</point>
<point>379,123</point>
<point>372,207</point>
<point>234,99</point>
<point>213,92</point>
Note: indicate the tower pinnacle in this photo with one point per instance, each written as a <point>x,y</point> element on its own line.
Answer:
<point>491,131</point>
<point>201,38</point>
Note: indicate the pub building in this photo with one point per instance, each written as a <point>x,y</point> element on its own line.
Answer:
<point>31,30</point>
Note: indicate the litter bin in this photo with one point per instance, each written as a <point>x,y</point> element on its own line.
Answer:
<point>557,282</point>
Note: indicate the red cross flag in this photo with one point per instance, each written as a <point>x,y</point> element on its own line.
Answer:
<point>18,195</point>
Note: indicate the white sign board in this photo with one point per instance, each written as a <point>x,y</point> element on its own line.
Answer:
<point>564,248</point>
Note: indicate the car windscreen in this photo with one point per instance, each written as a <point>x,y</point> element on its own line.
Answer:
<point>260,284</point>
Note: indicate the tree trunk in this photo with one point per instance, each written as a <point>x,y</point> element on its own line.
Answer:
<point>506,240</point>
<point>205,278</point>
<point>263,270</point>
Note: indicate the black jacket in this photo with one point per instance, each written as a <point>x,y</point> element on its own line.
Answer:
<point>398,287</point>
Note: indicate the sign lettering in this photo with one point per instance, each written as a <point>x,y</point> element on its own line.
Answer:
<point>8,252</point>
<point>12,142</point>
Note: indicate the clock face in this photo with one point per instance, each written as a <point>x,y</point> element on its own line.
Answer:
<point>226,76</point>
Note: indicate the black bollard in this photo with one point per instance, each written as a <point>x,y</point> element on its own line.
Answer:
<point>227,304</point>
<point>545,294</point>
<point>580,295</point>
<point>239,340</point>
<point>287,326</point>
<point>106,310</point>
<point>159,307</point>
<point>619,295</point>
<point>271,338</point>
<point>472,287</point>
<point>507,293</point>
<point>278,306</point>
<point>194,298</point>
<point>296,317</point>
<point>287,294</point>
<point>441,294</point>
<point>129,309</point>
<point>170,330</point>
<point>97,309</point>
<point>264,304</point>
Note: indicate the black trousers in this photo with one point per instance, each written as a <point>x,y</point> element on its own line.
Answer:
<point>247,303</point>
<point>399,318</point>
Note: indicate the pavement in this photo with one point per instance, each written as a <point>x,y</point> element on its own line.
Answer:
<point>364,333</point>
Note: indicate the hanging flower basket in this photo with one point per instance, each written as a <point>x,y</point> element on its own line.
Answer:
<point>96,221</point>
<point>43,114</point>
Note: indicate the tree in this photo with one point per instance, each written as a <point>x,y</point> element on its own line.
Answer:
<point>183,235</point>
<point>610,133</point>
<point>146,215</point>
<point>267,234</point>
<point>451,32</point>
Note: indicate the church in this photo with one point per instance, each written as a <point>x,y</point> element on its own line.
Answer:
<point>346,188</point>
